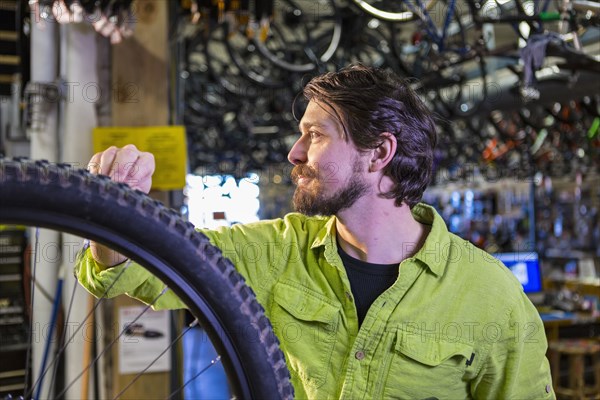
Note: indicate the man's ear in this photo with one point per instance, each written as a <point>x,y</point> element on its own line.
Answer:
<point>383,154</point>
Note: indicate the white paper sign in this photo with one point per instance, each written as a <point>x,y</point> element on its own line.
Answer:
<point>144,340</point>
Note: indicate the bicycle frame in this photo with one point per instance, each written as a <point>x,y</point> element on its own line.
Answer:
<point>421,11</point>
<point>565,15</point>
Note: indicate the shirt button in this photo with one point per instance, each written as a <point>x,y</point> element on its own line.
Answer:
<point>548,388</point>
<point>349,296</point>
<point>359,355</point>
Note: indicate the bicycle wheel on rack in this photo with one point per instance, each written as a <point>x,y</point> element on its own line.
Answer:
<point>290,43</point>
<point>366,41</point>
<point>576,21</point>
<point>444,52</point>
<point>59,197</point>
<point>394,10</point>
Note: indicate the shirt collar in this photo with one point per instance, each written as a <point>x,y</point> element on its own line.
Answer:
<point>435,250</point>
<point>326,234</point>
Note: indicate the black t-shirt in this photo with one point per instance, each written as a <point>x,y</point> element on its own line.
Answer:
<point>367,281</point>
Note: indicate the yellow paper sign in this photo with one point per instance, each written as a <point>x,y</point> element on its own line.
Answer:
<point>167,143</point>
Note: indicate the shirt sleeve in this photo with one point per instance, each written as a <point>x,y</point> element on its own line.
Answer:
<point>256,250</point>
<point>516,366</point>
<point>127,278</point>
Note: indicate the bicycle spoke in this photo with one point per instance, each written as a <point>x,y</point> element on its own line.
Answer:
<point>57,354</point>
<point>31,302</point>
<point>115,340</point>
<point>53,323</point>
<point>151,363</point>
<point>212,363</point>
<point>65,345</point>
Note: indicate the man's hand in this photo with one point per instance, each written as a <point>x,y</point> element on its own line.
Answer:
<point>127,165</point>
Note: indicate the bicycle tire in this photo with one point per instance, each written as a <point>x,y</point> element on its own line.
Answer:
<point>393,11</point>
<point>365,42</point>
<point>60,197</point>
<point>445,64</point>
<point>298,56</point>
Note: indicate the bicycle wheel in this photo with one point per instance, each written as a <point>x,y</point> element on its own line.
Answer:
<point>366,40</point>
<point>57,196</point>
<point>290,43</point>
<point>443,51</point>
<point>396,11</point>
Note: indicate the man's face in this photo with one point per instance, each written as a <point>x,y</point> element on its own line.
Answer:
<point>329,171</point>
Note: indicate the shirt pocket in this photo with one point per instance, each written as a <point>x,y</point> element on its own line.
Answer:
<point>306,324</point>
<point>424,366</point>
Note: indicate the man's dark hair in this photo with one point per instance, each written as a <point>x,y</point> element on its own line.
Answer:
<point>370,101</point>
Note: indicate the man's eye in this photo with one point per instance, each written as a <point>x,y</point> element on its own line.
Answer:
<point>313,135</point>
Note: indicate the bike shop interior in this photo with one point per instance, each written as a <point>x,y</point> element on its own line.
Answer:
<point>209,86</point>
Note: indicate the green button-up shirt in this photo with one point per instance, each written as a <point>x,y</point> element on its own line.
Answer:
<point>455,324</point>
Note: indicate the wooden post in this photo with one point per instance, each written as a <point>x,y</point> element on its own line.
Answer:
<point>140,98</point>
<point>139,69</point>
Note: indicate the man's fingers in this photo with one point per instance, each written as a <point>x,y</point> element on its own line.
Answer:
<point>116,162</point>
<point>128,165</point>
<point>124,163</point>
<point>140,175</point>
<point>106,160</point>
<point>94,164</point>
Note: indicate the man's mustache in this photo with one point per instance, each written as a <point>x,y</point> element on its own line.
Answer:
<point>304,171</point>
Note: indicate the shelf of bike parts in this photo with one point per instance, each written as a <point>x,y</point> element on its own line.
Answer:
<point>494,216</point>
<point>13,315</point>
<point>567,219</point>
<point>574,270</point>
<point>571,306</point>
<point>13,57</point>
<point>551,215</point>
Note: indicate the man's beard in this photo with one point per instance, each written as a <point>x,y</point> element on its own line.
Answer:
<point>312,200</point>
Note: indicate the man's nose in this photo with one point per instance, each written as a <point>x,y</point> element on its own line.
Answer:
<point>297,154</point>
